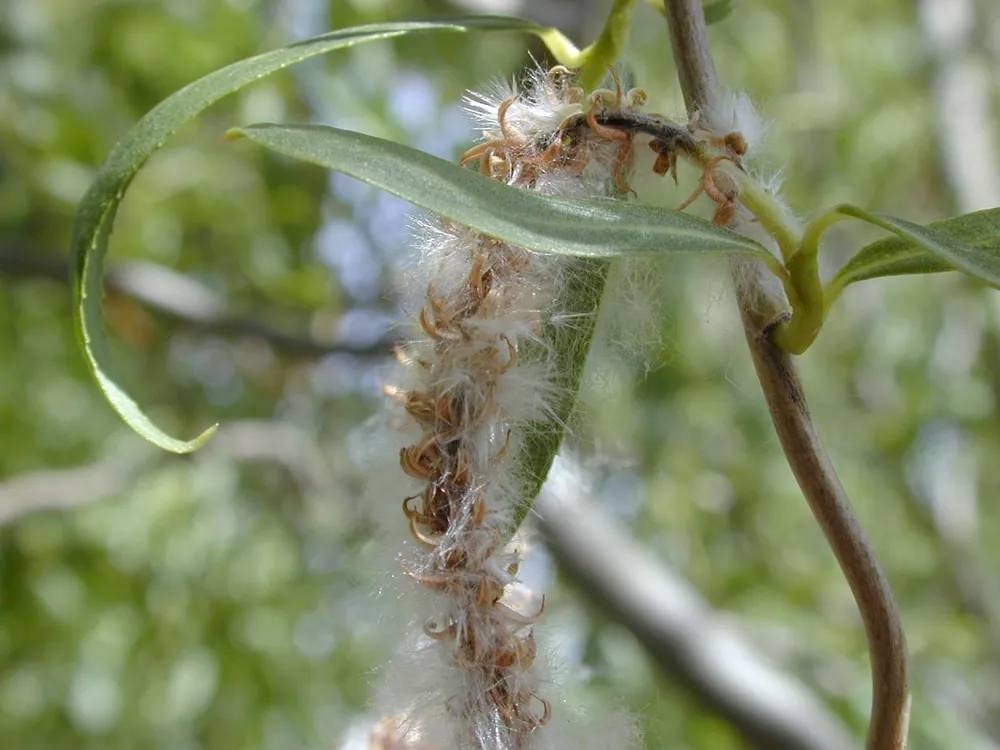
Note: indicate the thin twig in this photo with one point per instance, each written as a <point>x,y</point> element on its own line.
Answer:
<point>779,379</point>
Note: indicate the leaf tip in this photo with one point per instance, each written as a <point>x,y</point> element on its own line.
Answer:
<point>198,442</point>
<point>180,447</point>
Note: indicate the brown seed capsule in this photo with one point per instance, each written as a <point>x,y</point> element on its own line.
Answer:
<point>519,651</point>
<point>430,541</point>
<point>439,581</point>
<point>438,633</point>
<point>546,716</point>
<point>736,143</point>
<point>519,619</point>
<point>421,460</point>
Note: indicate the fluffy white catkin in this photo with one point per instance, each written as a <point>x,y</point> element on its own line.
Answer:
<point>467,673</point>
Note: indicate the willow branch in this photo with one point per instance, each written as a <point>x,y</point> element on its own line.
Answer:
<point>760,309</point>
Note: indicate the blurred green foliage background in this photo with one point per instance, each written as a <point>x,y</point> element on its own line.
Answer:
<point>226,600</point>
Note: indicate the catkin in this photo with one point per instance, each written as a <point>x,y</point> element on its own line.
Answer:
<point>476,372</point>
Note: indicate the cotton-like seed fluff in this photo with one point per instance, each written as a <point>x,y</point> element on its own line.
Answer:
<point>475,373</point>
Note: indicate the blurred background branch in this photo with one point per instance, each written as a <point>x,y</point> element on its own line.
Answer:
<point>247,440</point>
<point>963,96</point>
<point>685,637</point>
<point>183,299</point>
<point>687,640</point>
<point>63,488</point>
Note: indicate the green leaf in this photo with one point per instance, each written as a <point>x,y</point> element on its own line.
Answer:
<point>592,228</point>
<point>99,206</point>
<point>579,300</point>
<point>969,243</point>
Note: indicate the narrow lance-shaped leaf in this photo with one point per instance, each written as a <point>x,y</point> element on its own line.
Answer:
<point>99,206</point>
<point>591,230</point>
<point>969,243</point>
<point>595,228</point>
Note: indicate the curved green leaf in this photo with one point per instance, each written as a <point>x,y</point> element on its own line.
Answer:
<point>567,226</point>
<point>969,243</point>
<point>99,206</point>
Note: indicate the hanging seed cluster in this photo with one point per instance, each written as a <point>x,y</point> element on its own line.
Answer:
<point>478,371</point>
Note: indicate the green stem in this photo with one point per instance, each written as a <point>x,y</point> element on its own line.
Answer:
<point>808,302</point>
<point>603,53</point>
<point>561,48</point>
<point>772,215</point>
<point>796,335</point>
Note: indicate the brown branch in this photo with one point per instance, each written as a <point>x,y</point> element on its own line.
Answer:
<point>686,638</point>
<point>830,505</point>
<point>782,387</point>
